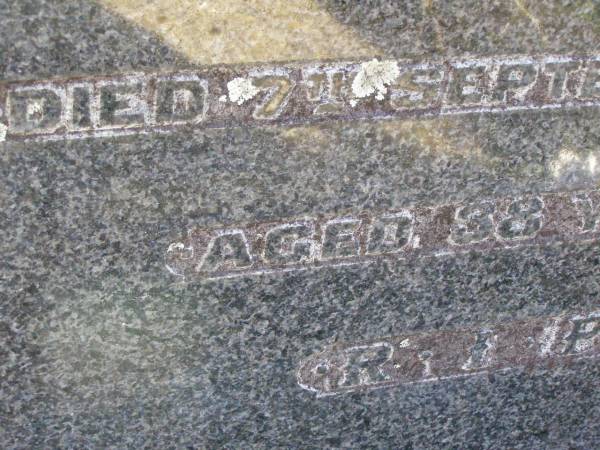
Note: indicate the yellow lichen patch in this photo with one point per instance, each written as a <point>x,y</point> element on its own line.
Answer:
<point>240,31</point>
<point>314,135</point>
<point>440,135</point>
<point>437,135</point>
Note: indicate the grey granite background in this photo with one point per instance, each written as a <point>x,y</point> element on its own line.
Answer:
<point>439,28</point>
<point>100,347</point>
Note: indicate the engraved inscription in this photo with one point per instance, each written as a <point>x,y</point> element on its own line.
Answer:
<point>445,355</point>
<point>180,99</point>
<point>408,233</point>
<point>294,93</point>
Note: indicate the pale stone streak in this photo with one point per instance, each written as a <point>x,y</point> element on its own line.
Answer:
<point>240,31</point>
<point>536,22</point>
<point>185,25</point>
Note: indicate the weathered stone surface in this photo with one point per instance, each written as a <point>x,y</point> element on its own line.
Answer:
<point>102,346</point>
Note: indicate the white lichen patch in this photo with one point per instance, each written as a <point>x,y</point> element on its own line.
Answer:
<point>3,130</point>
<point>241,90</point>
<point>568,161</point>
<point>373,77</point>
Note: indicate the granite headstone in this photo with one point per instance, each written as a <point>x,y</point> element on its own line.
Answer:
<point>389,252</point>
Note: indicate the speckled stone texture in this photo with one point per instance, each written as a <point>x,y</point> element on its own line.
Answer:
<point>101,347</point>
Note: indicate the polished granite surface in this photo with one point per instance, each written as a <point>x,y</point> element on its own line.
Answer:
<point>102,346</point>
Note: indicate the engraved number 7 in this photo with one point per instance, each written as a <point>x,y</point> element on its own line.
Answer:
<point>279,89</point>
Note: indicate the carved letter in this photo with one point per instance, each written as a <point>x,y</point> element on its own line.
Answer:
<point>588,212</point>
<point>591,83</point>
<point>390,233</point>
<point>340,238</point>
<point>514,82</point>
<point>481,353</point>
<point>228,250</point>
<point>365,363</point>
<point>558,76</point>
<point>467,85</point>
<point>585,331</point>
<point>123,104</point>
<point>290,244</point>
<point>35,109</point>
<point>472,224</point>
<point>79,99</point>
<point>417,88</point>
<point>325,87</point>
<point>180,99</point>
<point>522,220</point>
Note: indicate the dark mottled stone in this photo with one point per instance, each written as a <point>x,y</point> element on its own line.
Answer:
<point>100,347</point>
